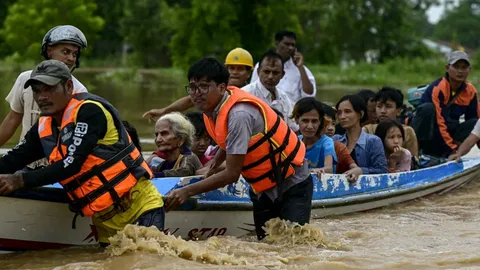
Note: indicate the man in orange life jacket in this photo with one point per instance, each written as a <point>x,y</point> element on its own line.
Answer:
<point>89,153</point>
<point>436,122</point>
<point>255,142</point>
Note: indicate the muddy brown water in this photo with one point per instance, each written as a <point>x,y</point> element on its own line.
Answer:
<point>436,232</point>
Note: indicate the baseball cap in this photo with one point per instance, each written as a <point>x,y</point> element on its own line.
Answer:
<point>49,72</point>
<point>456,56</point>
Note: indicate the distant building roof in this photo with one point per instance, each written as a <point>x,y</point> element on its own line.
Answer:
<point>445,47</point>
<point>437,46</point>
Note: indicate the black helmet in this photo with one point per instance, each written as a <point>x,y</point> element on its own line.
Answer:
<point>64,34</point>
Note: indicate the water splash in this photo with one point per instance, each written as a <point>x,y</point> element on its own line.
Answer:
<point>225,250</point>
<point>138,238</point>
<point>281,232</point>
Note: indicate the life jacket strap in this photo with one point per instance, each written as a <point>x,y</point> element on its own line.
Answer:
<point>123,155</point>
<point>108,186</point>
<point>279,168</point>
<point>266,136</point>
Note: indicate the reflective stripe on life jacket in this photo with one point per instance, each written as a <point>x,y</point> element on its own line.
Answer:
<point>271,153</point>
<point>107,174</point>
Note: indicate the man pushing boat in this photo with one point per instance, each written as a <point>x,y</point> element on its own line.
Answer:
<point>255,142</point>
<point>89,153</point>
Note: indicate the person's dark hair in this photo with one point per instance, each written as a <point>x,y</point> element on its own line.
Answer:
<point>358,104</point>
<point>307,104</point>
<point>132,132</point>
<point>210,69</point>
<point>384,126</point>
<point>390,93</point>
<point>271,55</point>
<point>367,95</point>
<point>284,33</point>
<point>329,111</point>
<point>277,112</point>
<point>196,118</point>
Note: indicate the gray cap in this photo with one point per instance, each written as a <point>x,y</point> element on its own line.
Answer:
<point>49,72</point>
<point>456,56</point>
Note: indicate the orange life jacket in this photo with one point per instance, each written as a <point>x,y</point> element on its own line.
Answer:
<point>107,174</point>
<point>271,153</point>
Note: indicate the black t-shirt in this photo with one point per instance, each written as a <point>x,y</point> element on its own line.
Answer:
<point>353,155</point>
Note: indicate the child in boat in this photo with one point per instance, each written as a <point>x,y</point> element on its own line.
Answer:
<point>389,106</point>
<point>345,164</point>
<point>392,134</point>
<point>173,137</point>
<point>309,115</point>
<point>201,139</point>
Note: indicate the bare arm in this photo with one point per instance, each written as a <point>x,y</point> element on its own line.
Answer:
<point>469,142</point>
<point>9,125</point>
<point>180,105</point>
<point>229,175</point>
<point>353,173</point>
<point>328,164</point>
<point>306,84</point>
<point>221,179</point>
<point>219,158</point>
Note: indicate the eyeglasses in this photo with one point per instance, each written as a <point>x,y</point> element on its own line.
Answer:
<point>202,88</point>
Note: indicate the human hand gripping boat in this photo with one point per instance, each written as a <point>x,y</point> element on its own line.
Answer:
<point>40,219</point>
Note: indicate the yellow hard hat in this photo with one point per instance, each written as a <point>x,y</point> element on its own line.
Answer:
<point>239,56</point>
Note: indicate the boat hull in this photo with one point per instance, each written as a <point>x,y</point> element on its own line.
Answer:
<point>33,221</point>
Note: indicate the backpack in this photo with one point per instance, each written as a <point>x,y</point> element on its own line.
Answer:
<point>415,95</point>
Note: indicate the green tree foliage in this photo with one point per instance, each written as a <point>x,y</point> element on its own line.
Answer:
<point>179,32</point>
<point>28,21</point>
<point>216,27</point>
<point>111,40</point>
<point>4,49</point>
<point>204,29</point>
<point>350,28</point>
<point>461,25</point>
<point>347,29</point>
<point>145,27</point>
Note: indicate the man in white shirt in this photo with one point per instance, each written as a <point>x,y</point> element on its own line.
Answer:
<point>270,72</point>
<point>62,43</point>
<point>298,81</point>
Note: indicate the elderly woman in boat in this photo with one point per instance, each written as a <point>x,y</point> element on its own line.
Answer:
<point>366,149</point>
<point>173,137</point>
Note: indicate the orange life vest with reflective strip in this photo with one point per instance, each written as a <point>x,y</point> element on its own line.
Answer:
<point>271,153</point>
<point>107,174</point>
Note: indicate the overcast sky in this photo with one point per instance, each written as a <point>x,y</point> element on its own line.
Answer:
<point>435,12</point>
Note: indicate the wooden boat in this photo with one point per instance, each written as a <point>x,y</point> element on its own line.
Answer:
<point>40,219</point>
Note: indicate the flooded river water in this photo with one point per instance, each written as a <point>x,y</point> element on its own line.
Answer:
<point>437,232</point>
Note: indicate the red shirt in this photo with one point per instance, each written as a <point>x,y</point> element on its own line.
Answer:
<point>344,158</point>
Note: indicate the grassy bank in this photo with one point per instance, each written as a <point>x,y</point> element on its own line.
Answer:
<point>402,73</point>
